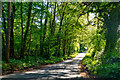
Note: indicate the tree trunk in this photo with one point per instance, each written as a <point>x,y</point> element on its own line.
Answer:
<point>111,23</point>
<point>21,54</point>
<point>4,36</point>
<point>44,31</point>
<point>45,27</point>
<point>12,34</point>
<point>0,9</point>
<point>61,20</point>
<point>50,28</point>
<point>41,30</point>
<point>27,28</point>
<point>3,47</point>
<point>53,21</point>
<point>65,43</point>
<point>30,33</point>
<point>69,50</point>
<point>8,37</point>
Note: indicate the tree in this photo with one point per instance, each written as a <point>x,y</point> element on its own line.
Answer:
<point>1,36</point>
<point>53,21</point>
<point>61,21</point>
<point>111,23</point>
<point>8,37</point>
<point>27,28</point>
<point>12,33</point>
<point>21,54</point>
<point>41,30</point>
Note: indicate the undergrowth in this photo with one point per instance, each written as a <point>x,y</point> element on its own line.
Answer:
<point>31,61</point>
<point>105,66</point>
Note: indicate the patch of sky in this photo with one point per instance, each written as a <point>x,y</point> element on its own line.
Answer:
<point>37,23</point>
<point>45,2</point>
<point>43,20</point>
<point>38,19</point>
<point>0,19</point>
<point>38,27</point>
<point>90,28</point>
<point>32,11</point>
<point>93,8</point>
<point>91,16</point>
<point>119,27</point>
<point>50,9</point>
<point>57,19</point>
<point>0,23</point>
<point>37,7</point>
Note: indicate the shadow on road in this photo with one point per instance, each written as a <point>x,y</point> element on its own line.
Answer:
<point>67,70</point>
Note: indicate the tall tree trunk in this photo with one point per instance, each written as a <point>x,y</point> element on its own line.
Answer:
<point>3,47</point>
<point>12,34</point>
<point>45,27</point>
<point>27,28</point>
<point>53,21</point>
<point>111,23</point>
<point>0,9</point>
<point>30,33</point>
<point>61,21</point>
<point>8,37</point>
<point>44,31</point>
<point>41,31</point>
<point>4,36</point>
<point>50,28</point>
<point>0,34</point>
<point>21,54</point>
<point>69,50</point>
<point>65,43</point>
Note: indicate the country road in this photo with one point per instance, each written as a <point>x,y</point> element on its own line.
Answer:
<point>63,70</point>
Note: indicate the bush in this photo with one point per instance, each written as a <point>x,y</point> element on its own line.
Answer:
<point>5,66</point>
<point>31,61</point>
<point>109,68</point>
<point>86,60</point>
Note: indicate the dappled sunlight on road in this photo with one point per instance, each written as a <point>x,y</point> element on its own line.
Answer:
<point>62,70</point>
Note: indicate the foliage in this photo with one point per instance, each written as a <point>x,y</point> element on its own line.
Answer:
<point>49,32</point>
<point>107,67</point>
<point>32,62</point>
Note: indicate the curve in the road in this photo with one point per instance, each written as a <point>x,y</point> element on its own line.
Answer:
<point>64,70</point>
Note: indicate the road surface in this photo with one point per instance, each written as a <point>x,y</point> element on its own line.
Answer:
<point>63,70</point>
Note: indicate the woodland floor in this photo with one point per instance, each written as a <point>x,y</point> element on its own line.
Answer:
<point>71,69</point>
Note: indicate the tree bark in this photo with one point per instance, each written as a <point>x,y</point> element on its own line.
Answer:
<point>27,28</point>
<point>0,9</point>
<point>45,29</point>
<point>111,23</point>
<point>65,43</point>
<point>50,28</point>
<point>4,36</point>
<point>8,37</point>
<point>53,21</point>
<point>41,30</point>
<point>21,32</point>
<point>12,33</point>
<point>30,33</point>
<point>61,21</point>
<point>46,19</point>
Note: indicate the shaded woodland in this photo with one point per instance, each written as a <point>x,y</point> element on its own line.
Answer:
<point>37,33</point>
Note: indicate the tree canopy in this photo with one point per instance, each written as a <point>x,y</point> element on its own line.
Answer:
<point>51,30</point>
